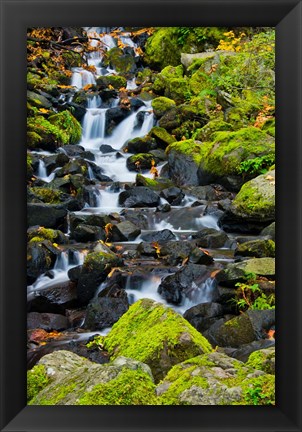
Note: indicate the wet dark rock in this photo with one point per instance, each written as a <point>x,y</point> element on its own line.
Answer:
<point>41,256</point>
<point>75,166</point>
<point>184,283</point>
<point>123,231</point>
<point>72,150</point>
<point>203,315</point>
<point>55,161</point>
<point>159,236</point>
<point>98,172</point>
<point>139,196</point>
<point>182,169</point>
<point>85,233</point>
<point>106,148</point>
<point>175,252</point>
<point>159,154</point>
<point>240,330</point>
<point>173,195</point>
<point>138,219</point>
<point>269,231</point>
<point>74,273</point>
<point>115,115</point>
<point>106,309</point>
<point>243,353</point>
<point>55,299</point>
<point>198,256</point>
<point>163,208</point>
<point>38,100</point>
<point>46,321</point>
<point>136,103</point>
<point>96,267</point>
<point>146,249</point>
<point>208,192</point>
<point>210,238</point>
<point>140,145</point>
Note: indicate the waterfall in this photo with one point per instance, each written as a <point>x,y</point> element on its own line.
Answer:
<point>93,126</point>
<point>61,262</point>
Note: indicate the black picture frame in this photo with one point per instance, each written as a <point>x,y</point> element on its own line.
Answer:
<point>16,16</point>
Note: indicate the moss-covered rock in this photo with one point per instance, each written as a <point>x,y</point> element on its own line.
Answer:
<point>140,145</point>
<point>116,81</point>
<point>239,272</point>
<point>121,62</point>
<point>206,133</point>
<point>46,195</point>
<point>38,100</point>
<point>256,248</point>
<point>178,89</point>
<point>41,81</point>
<point>140,161</point>
<point>157,184</point>
<point>263,360</point>
<point>256,198</point>
<point>58,130</point>
<point>162,137</point>
<point>161,105</point>
<point>96,267</point>
<point>81,382</point>
<point>54,236</point>
<point>225,155</point>
<point>154,334</point>
<point>216,379</point>
<point>162,49</point>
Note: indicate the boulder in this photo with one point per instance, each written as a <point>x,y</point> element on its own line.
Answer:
<point>140,145</point>
<point>263,359</point>
<point>48,216</point>
<point>210,238</point>
<point>124,231</point>
<point>140,161</point>
<point>158,236</point>
<point>173,195</point>
<point>55,299</point>
<point>122,382</point>
<point>256,248</point>
<point>238,272</point>
<point>203,315</point>
<point>216,379</point>
<point>139,196</point>
<point>161,105</point>
<point>200,256</point>
<point>96,267</point>
<point>254,206</point>
<point>154,334</point>
<point>185,283</point>
<point>86,233</point>
<point>174,252</point>
<point>246,350</point>
<point>55,236</point>
<point>46,321</point>
<point>41,256</point>
<point>106,309</point>
<point>270,231</point>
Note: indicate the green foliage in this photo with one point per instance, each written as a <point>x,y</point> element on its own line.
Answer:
<point>258,165</point>
<point>260,390</point>
<point>37,380</point>
<point>250,296</point>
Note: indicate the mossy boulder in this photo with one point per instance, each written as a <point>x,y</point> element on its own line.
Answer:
<point>54,236</point>
<point>157,184</point>
<point>154,334</point>
<point>184,158</point>
<point>96,267</point>
<point>140,145</point>
<point>239,272</point>
<point>206,133</point>
<point>162,49</point>
<point>263,359</point>
<point>178,90</point>
<point>38,100</point>
<point>116,81</point>
<point>140,161</point>
<point>216,379</point>
<point>161,105</point>
<point>81,382</point>
<point>122,62</point>
<point>46,195</point>
<point>223,159</point>
<point>41,256</point>
<point>41,81</point>
<point>256,248</point>
<point>49,134</point>
<point>162,137</point>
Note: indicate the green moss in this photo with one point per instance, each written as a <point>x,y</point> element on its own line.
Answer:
<point>58,394</point>
<point>229,149</point>
<point>72,59</point>
<point>115,81</point>
<point>33,139</point>
<point>100,260</point>
<point>178,89</point>
<point>200,81</point>
<point>158,184</point>
<point>206,133</point>
<point>36,239</point>
<point>162,49</point>
<point>259,391</point>
<point>161,136</point>
<point>38,81</point>
<point>149,331</point>
<point>188,147</point>
<point>257,248</point>
<point>161,105</point>
<point>122,63</point>
<point>37,380</point>
<point>261,360</point>
<point>69,125</point>
<point>130,387</point>
<point>48,196</point>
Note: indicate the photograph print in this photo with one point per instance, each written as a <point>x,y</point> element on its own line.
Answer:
<point>150,216</point>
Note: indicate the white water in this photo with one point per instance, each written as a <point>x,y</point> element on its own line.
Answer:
<point>42,173</point>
